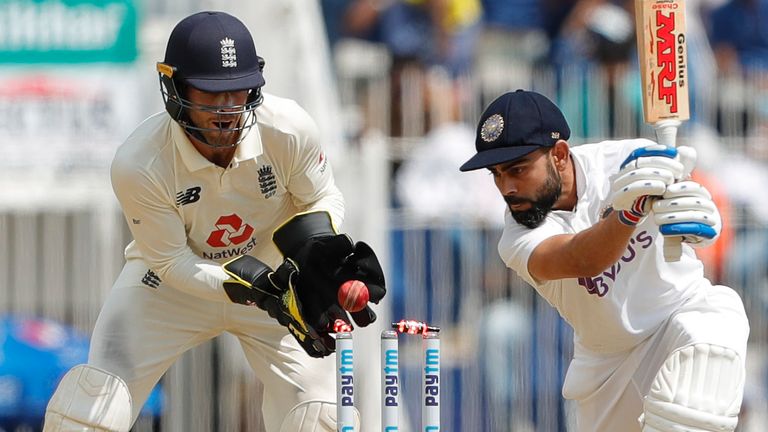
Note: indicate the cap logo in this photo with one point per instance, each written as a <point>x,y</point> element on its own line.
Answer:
<point>555,135</point>
<point>228,53</point>
<point>492,128</point>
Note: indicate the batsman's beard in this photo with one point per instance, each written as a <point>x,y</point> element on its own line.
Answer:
<point>546,196</point>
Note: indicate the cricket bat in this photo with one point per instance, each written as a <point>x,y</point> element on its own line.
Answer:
<point>661,48</point>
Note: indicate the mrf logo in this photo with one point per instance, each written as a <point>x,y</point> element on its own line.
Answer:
<point>670,59</point>
<point>230,231</point>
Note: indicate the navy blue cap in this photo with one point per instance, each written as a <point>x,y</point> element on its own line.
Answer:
<point>214,52</point>
<point>514,125</point>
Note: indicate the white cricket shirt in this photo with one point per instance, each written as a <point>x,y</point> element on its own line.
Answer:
<point>625,304</point>
<point>188,215</point>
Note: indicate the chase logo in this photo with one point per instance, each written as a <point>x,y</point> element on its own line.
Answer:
<point>188,196</point>
<point>323,162</point>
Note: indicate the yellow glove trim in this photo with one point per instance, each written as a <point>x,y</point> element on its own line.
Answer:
<point>233,277</point>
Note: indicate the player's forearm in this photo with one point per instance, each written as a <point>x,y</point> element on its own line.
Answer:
<point>584,254</point>
<point>194,275</point>
<point>602,245</point>
<point>333,203</point>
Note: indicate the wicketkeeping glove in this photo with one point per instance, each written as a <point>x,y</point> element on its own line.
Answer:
<point>687,210</point>
<point>325,260</point>
<point>254,283</point>
<point>645,173</point>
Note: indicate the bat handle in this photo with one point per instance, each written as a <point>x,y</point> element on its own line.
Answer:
<point>673,248</point>
<point>666,134</point>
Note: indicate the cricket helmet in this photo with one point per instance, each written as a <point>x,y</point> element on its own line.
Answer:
<point>213,52</point>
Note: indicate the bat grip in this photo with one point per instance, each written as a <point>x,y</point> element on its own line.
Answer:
<point>666,134</point>
<point>673,248</point>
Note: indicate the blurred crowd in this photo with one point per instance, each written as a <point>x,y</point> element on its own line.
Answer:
<point>448,58</point>
<point>458,38</point>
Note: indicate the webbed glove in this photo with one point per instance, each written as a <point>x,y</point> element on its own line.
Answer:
<point>253,283</point>
<point>325,260</point>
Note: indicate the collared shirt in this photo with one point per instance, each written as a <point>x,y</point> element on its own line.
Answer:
<point>627,302</point>
<point>188,215</point>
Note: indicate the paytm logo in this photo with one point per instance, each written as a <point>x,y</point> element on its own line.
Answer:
<point>347,388</point>
<point>432,378</point>
<point>391,383</point>
<point>431,402</point>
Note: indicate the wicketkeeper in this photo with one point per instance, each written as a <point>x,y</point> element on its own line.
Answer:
<point>233,210</point>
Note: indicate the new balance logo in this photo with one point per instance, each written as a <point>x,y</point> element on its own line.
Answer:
<point>267,181</point>
<point>188,196</point>
<point>150,279</point>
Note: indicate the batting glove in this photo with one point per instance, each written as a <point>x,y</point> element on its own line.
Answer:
<point>687,210</point>
<point>645,173</point>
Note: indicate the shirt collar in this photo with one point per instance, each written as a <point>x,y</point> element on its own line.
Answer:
<point>581,177</point>
<point>251,147</point>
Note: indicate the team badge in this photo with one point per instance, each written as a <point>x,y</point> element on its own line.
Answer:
<point>228,53</point>
<point>267,182</point>
<point>492,128</point>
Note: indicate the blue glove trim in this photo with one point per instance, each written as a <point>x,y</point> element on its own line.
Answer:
<point>688,228</point>
<point>669,152</point>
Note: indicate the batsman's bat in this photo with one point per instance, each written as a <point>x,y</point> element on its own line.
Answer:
<point>661,48</point>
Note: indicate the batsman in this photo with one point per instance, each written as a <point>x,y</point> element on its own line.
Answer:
<point>233,209</point>
<point>657,346</point>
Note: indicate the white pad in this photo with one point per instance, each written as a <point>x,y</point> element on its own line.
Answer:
<point>89,399</point>
<point>698,389</point>
<point>314,416</point>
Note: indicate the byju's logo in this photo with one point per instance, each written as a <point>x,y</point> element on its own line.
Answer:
<point>230,231</point>
<point>267,181</point>
<point>188,196</point>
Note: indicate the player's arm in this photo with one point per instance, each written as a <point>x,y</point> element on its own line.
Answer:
<point>310,180</point>
<point>159,233</point>
<point>643,176</point>
<point>584,254</point>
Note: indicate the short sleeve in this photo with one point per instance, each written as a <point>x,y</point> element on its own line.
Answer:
<point>518,243</point>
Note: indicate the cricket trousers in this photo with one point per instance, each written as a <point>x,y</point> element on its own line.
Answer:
<point>143,327</point>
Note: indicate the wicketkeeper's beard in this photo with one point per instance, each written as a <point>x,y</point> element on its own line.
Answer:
<point>547,195</point>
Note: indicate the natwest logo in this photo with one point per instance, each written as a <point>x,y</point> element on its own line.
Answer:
<point>231,231</point>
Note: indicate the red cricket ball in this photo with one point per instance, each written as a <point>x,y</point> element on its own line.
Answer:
<point>353,295</point>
